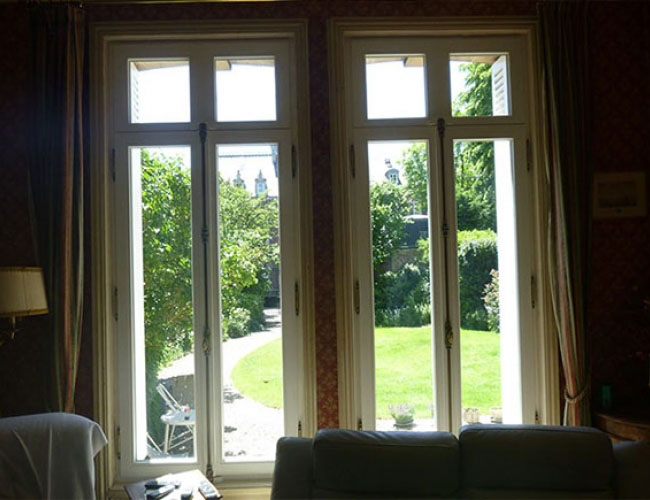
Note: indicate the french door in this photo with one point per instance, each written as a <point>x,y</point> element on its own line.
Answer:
<point>208,263</point>
<point>442,254</point>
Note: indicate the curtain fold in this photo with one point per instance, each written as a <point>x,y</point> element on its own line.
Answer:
<point>56,183</point>
<point>563,37</point>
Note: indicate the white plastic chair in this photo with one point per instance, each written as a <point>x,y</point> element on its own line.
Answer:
<point>177,415</point>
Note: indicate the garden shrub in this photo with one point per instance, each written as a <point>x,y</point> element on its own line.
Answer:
<point>477,257</point>
<point>402,297</point>
<point>236,323</point>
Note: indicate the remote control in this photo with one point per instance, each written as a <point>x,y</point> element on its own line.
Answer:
<point>186,492</point>
<point>157,483</point>
<point>156,493</point>
<point>208,491</point>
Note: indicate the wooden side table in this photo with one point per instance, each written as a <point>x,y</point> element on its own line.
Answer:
<point>136,491</point>
<point>624,425</point>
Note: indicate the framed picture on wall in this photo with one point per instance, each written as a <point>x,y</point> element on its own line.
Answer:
<point>620,194</point>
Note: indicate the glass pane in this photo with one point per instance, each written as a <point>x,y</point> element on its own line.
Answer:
<point>249,260</point>
<point>395,86</point>
<point>479,85</point>
<point>399,208</point>
<point>245,88</point>
<point>487,281</point>
<point>162,309</point>
<point>160,91</point>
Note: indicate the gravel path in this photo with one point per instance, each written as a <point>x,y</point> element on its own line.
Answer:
<point>251,429</point>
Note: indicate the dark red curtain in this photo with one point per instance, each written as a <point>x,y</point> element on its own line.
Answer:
<point>56,182</point>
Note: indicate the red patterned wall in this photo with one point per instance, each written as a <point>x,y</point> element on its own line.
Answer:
<point>619,59</point>
<point>620,82</point>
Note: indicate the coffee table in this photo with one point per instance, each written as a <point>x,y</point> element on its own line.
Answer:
<point>136,491</point>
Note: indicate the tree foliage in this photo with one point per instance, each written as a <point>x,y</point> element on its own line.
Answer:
<point>476,99</point>
<point>414,161</point>
<point>248,228</point>
<point>167,257</point>
<point>388,209</point>
<point>477,257</point>
<point>474,161</point>
<point>167,269</point>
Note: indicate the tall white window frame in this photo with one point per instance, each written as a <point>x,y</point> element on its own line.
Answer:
<point>534,376</point>
<point>113,189</point>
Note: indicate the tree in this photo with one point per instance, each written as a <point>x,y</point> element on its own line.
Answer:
<point>414,161</point>
<point>167,268</point>
<point>476,99</point>
<point>388,209</point>
<point>474,161</point>
<point>167,259</point>
<point>248,228</point>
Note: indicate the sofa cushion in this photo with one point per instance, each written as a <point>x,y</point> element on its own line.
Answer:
<point>292,475</point>
<point>545,461</point>
<point>632,469</point>
<point>385,464</point>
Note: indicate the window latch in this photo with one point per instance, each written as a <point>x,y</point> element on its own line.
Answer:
<point>357,298</point>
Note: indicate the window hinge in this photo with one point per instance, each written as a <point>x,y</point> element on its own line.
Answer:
<point>294,161</point>
<point>115,304</point>
<point>359,424</point>
<point>449,334</point>
<point>296,297</point>
<point>206,340</point>
<point>533,291</point>
<point>209,474</point>
<point>112,164</point>
<point>536,417</point>
<point>204,234</point>
<point>529,155</point>
<point>353,167</point>
<point>118,443</point>
<point>445,230</point>
<point>440,124</point>
<point>357,298</point>
<point>299,429</point>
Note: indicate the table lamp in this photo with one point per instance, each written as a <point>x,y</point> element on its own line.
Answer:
<point>22,293</point>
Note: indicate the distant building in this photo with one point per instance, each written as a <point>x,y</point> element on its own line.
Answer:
<point>260,185</point>
<point>238,181</point>
<point>392,174</point>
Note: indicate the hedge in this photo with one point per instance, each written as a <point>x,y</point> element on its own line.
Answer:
<point>477,257</point>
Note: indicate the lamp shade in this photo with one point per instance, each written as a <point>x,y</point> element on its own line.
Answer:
<point>22,291</point>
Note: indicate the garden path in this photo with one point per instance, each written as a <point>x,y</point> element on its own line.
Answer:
<point>251,429</point>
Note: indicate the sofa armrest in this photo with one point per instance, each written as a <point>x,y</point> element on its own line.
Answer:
<point>632,468</point>
<point>49,456</point>
<point>292,476</point>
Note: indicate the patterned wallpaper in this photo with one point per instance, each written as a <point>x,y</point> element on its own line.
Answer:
<point>620,90</point>
<point>620,80</point>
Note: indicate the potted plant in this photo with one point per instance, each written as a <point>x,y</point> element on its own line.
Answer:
<point>403,414</point>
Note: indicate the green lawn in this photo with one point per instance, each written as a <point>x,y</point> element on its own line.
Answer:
<point>404,373</point>
<point>258,375</point>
